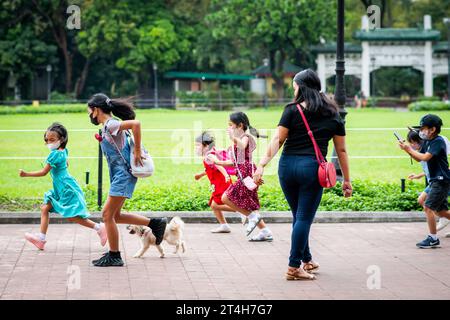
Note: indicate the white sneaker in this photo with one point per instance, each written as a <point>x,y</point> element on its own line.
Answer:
<point>253,222</point>
<point>243,219</point>
<point>223,228</point>
<point>443,222</point>
<point>262,236</point>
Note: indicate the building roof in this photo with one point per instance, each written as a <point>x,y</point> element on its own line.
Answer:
<point>288,68</point>
<point>395,34</point>
<point>206,76</point>
<point>441,47</point>
<point>331,48</point>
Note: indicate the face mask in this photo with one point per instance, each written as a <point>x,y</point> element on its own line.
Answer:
<point>94,121</point>
<point>53,146</point>
<point>423,135</point>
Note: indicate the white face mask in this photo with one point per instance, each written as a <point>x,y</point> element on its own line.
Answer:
<point>53,146</point>
<point>424,135</point>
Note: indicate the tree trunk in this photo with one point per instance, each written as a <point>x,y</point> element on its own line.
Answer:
<point>58,27</point>
<point>68,67</point>
<point>79,86</point>
<point>277,59</point>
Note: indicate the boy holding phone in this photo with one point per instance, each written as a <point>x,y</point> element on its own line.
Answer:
<point>434,153</point>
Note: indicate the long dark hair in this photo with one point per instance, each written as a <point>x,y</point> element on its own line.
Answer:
<point>206,139</point>
<point>309,92</point>
<point>239,117</point>
<point>61,131</point>
<point>122,108</point>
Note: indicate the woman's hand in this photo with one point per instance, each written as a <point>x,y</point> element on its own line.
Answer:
<point>138,158</point>
<point>22,173</point>
<point>257,176</point>
<point>347,189</point>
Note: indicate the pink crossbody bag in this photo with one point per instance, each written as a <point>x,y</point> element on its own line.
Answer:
<point>327,171</point>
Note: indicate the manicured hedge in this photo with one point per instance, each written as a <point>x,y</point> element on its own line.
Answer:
<point>29,109</point>
<point>429,106</point>
<point>368,196</point>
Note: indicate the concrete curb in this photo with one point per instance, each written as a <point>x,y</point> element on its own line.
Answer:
<point>208,217</point>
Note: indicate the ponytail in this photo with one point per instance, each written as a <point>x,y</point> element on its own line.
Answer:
<point>122,108</point>
<point>256,133</point>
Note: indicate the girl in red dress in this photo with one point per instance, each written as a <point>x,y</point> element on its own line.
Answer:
<point>238,196</point>
<point>219,177</point>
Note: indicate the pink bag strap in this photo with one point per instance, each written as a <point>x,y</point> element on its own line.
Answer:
<point>319,156</point>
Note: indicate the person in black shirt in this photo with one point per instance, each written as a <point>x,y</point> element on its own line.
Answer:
<point>434,152</point>
<point>298,166</point>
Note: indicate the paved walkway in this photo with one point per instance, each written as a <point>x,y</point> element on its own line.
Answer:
<point>226,266</point>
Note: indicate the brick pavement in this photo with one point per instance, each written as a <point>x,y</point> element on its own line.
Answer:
<point>226,266</point>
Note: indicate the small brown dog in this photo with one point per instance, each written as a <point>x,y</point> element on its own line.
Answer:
<point>173,235</point>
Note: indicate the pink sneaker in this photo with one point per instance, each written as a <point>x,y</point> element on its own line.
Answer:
<point>34,239</point>
<point>102,234</point>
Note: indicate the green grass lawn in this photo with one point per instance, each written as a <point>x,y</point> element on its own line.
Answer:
<point>173,149</point>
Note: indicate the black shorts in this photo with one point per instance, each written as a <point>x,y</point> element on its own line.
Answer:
<point>437,197</point>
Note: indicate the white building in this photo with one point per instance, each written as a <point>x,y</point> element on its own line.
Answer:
<point>418,48</point>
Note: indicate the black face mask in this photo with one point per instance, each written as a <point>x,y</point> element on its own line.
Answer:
<point>94,121</point>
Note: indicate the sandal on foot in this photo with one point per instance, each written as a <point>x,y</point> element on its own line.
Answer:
<point>299,275</point>
<point>311,266</point>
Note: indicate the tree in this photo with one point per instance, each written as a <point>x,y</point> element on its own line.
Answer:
<point>282,30</point>
<point>23,45</point>
<point>54,14</point>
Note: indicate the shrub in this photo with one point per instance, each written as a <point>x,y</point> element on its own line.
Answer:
<point>429,106</point>
<point>29,109</point>
<point>367,196</point>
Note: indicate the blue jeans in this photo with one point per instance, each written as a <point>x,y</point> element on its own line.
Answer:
<point>300,185</point>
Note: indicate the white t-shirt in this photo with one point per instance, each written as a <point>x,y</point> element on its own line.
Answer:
<point>113,127</point>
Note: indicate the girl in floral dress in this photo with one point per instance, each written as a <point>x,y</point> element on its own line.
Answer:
<point>238,196</point>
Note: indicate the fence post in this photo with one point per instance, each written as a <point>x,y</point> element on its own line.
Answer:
<point>403,184</point>
<point>100,174</point>
<point>87,177</point>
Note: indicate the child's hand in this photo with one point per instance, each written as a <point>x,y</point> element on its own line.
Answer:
<point>413,176</point>
<point>198,176</point>
<point>404,146</point>
<point>230,132</point>
<point>211,158</point>
<point>138,158</point>
<point>22,173</point>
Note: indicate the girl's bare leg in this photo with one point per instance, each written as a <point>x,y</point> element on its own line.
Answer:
<point>229,203</point>
<point>112,206</point>
<point>83,222</point>
<point>218,212</point>
<point>45,217</point>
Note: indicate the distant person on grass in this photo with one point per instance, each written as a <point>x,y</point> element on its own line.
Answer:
<point>66,198</point>
<point>434,152</point>
<point>116,148</point>
<point>298,167</point>
<point>416,143</point>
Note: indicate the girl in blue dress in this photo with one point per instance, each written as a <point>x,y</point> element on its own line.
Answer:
<point>66,198</point>
<point>116,148</point>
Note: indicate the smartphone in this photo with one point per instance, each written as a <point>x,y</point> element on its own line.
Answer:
<point>398,137</point>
